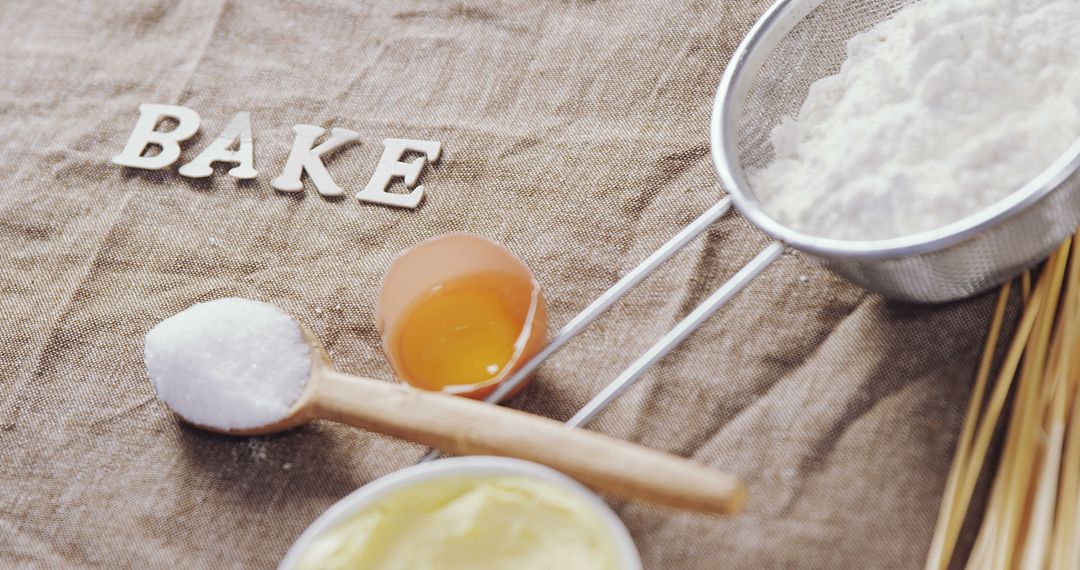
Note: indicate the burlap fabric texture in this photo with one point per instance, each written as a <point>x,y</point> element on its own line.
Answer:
<point>574,133</point>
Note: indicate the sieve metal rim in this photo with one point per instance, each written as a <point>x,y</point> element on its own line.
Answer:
<point>745,62</point>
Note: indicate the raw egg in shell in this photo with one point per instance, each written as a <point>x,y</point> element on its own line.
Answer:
<point>459,314</point>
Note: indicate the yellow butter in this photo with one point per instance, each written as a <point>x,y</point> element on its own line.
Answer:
<point>491,523</point>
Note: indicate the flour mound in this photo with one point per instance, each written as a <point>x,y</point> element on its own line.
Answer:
<point>938,112</point>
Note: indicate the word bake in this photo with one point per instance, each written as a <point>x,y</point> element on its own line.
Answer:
<point>235,145</point>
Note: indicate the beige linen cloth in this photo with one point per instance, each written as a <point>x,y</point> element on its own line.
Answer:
<point>575,133</point>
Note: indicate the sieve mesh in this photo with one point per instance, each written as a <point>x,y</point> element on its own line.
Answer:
<point>815,48</point>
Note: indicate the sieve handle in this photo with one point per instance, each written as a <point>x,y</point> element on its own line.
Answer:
<point>601,304</point>
<point>677,334</point>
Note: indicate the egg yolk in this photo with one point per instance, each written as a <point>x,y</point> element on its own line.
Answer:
<point>458,334</point>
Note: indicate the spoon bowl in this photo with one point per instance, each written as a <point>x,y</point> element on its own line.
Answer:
<point>301,411</point>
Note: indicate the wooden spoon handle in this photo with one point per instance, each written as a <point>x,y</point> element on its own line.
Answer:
<point>466,427</point>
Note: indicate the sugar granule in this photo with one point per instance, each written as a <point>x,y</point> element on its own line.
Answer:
<point>228,364</point>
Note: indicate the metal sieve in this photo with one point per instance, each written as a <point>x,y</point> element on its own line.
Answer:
<point>793,45</point>
<point>800,41</point>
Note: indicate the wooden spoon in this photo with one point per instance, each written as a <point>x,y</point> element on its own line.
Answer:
<point>467,427</point>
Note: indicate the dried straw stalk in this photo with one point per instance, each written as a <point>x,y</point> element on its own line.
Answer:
<point>1032,516</point>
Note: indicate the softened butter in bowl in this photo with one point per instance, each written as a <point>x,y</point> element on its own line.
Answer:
<point>471,513</point>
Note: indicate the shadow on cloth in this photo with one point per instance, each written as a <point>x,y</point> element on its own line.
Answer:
<point>292,466</point>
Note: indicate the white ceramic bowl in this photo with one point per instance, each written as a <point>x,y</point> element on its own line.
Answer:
<point>457,467</point>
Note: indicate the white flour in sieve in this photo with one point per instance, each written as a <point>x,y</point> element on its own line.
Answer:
<point>228,364</point>
<point>938,112</point>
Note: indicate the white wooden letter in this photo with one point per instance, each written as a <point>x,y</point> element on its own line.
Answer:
<point>391,166</point>
<point>237,131</point>
<point>144,135</point>
<point>305,158</point>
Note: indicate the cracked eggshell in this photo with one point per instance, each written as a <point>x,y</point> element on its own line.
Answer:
<point>452,257</point>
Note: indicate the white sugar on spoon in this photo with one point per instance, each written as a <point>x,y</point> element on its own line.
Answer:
<point>229,364</point>
<point>243,367</point>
